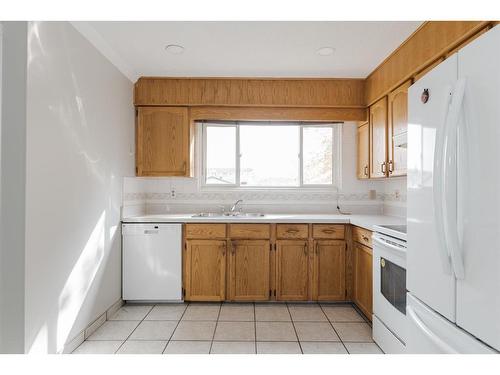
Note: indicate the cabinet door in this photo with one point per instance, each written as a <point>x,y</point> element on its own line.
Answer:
<point>249,270</point>
<point>363,284</point>
<point>162,138</point>
<point>397,129</point>
<point>363,151</point>
<point>205,268</point>
<point>292,271</point>
<point>330,269</point>
<point>378,139</point>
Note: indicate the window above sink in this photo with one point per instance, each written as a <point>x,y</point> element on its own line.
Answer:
<point>258,154</point>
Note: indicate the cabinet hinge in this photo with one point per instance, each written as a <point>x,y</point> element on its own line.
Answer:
<point>183,292</point>
<point>185,246</point>
<point>136,170</point>
<point>270,292</point>
<point>275,292</point>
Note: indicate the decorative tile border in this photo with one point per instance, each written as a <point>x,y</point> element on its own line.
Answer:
<point>261,197</point>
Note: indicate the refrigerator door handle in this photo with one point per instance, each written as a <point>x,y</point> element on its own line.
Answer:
<point>449,182</point>
<point>438,195</point>
<point>428,332</point>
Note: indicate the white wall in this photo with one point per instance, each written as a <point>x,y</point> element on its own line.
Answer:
<point>80,142</point>
<point>12,185</point>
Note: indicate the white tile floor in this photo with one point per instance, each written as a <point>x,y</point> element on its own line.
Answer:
<point>233,328</point>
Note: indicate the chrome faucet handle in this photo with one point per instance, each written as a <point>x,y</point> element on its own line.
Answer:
<point>233,208</point>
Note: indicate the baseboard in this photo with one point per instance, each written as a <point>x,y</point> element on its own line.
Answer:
<point>76,341</point>
<point>114,308</point>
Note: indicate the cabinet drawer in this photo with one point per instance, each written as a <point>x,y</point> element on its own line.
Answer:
<point>249,231</point>
<point>361,235</point>
<point>333,231</point>
<point>292,231</point>
<point>205,231</point>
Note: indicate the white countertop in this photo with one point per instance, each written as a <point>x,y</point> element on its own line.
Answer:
<point>364,221</point>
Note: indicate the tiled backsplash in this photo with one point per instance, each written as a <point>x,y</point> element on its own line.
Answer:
<point>174,195</point>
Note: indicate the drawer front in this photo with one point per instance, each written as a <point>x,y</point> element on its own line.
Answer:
<point>285,231</point>
<point>363,236</point>
<point>333,231</point>
<point>205,231</point>
<point>249,231</point>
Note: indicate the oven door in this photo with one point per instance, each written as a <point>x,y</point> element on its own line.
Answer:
<point>389,283</point>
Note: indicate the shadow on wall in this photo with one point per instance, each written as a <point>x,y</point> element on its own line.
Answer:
<point>73,192</point>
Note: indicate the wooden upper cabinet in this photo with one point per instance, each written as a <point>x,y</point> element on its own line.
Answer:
<point>249,270</point>
<point>329,268</point>
<point>163,141</point>
<point>205,270</point>
<point>292,270</point>
<point>397,130</point>
<point>378,139</point>
<point>363,143</point>
<point>363,275</point>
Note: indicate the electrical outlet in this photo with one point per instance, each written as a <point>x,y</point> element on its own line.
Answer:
<point>372,194</point>
<point>397,194</point>
<point>172,193</point>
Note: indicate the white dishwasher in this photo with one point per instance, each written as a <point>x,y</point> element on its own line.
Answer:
<point>152,262</point>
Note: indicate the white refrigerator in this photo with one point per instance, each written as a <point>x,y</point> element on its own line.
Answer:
<point>453,207</point>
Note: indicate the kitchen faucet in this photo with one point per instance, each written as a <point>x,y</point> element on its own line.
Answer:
<point>233,208</point>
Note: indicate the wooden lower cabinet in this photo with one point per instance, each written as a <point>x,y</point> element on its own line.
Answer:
<point>330,259</point>
<point>363,274</point>
<point>219,266</point>
<point>205,270</point>
<point>249,270</point>
<point>292,270</point>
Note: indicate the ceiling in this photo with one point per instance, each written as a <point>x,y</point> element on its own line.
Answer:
<point>247,49</point>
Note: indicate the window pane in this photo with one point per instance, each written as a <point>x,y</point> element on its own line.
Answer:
<point>221,152</point>
<point>269,155</point>
<point>317,155</point>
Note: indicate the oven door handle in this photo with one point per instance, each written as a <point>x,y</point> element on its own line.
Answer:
<point>390,246</point>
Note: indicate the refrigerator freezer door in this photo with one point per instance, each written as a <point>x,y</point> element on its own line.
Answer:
<point>478,297</point>
<point>429,275</point>
<point>430,333</point>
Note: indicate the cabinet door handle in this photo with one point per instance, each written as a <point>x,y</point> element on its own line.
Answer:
<point>184,167</point>
<point>291,230</point>
<point>383,167</point>
<point>305,248</point>
<point>366,170</point>
<point>317,247</point>
<point>233,247</point>
<point>329,231</point>
<point>365,238</point>
<point>391,166</point>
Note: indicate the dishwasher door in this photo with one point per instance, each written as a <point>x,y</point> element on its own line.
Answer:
<point>152,262</point>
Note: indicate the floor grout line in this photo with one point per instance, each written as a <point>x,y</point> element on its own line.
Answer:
<point>293,324</point>
<point>255,326</point>
<point>134,328</point>
<point>215,330</point>
<point>331,323</point>
<point>177,325</point>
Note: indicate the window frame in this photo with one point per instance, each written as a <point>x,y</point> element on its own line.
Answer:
<point>336,128</point>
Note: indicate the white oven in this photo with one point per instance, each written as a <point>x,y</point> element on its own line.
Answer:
<point>389,289</point>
